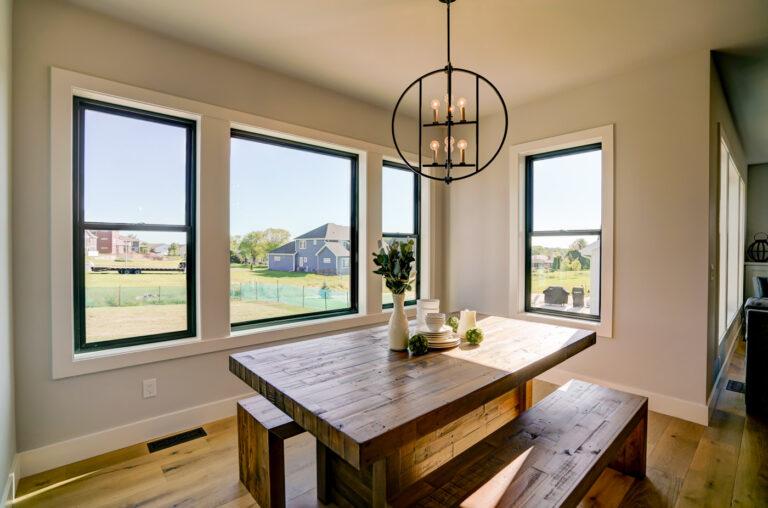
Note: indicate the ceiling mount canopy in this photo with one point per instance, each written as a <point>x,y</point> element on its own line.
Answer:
<point>449,125</point>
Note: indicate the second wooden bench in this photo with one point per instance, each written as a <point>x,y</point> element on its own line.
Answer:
<point>549,456</point>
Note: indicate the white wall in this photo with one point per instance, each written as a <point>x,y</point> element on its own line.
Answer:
<point>7,417</point>
<point>661,225</point>
<point>757,204</point>
<point>51,33</point>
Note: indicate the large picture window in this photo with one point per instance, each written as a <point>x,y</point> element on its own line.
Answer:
<point>134,226</point>
<point>563,232</point>
<point>401,218</point>
<point>293,226</point>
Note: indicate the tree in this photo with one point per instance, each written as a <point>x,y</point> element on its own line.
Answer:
<point>578,244</point>
<point>575,265</point>
<point>272,239</point>
<point>254,246</point>
<point>556,263</point>
<point>234,249</point>
<point>249,246</point>
<point>144,248</point>
<point>173,249</point>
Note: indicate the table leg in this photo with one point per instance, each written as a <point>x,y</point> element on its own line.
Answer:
<point>322,473</point>
<point>379,484</point>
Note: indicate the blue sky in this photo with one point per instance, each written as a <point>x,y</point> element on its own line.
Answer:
<point>135,173</point>
<point>566,195</point>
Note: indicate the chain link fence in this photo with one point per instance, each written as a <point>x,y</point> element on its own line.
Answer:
<point>310,297</point>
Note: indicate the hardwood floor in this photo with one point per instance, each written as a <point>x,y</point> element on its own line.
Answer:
<point>725,464</point>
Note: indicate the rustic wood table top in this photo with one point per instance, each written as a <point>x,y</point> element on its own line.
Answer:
<point>363,401</point>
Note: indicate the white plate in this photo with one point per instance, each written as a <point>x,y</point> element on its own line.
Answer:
<point>426,331</point>
<point>445,345</point>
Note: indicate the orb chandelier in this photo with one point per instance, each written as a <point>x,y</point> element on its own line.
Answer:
<point>449,121</point>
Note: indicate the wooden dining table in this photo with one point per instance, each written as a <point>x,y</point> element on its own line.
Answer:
<point>383,419</point>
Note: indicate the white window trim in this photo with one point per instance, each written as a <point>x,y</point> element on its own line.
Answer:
<point>302,244</point>
<point>518,153</point>
<point>214,332</point>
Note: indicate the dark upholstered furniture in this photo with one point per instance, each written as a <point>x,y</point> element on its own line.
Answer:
<point>761,287</point>
<point>756,310</point>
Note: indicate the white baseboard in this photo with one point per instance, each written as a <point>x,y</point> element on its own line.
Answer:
<point>9,490</point>
<point>672,406</point>
<point>84,447</point>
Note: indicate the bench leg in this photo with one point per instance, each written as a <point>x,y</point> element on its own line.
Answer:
<point>631,457</point>
<point>262,461</point>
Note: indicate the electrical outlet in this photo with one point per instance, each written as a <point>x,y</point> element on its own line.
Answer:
<point>150,388</point>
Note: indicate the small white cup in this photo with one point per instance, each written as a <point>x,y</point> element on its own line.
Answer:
<point>435,321</point>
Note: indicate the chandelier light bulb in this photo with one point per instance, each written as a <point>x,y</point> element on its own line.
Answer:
<point>462,103</point>
<point>453,141</point>
<point>462,144</point>
<point>435,105</point>
<point>434,145</point>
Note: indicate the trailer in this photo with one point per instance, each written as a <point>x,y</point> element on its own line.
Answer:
<point>122,270</point>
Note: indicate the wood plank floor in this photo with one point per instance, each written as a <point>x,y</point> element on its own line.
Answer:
<point>725,464</point>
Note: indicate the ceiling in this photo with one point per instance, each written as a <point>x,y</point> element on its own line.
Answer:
<point>744,73</point>
<point>372,49</point>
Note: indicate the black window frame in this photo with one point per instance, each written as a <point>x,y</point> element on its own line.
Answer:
<point>416,227</point>
<point>354,307</point>
<point>79,107</point>
<point>530,232</point>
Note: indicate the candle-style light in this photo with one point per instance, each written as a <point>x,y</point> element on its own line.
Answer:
<point>434,145</point>
<point>435,105</point>
<point>462,103</point>
<point>462,144</point>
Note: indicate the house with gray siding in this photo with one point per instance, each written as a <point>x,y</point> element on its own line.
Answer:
<point>324,250</point>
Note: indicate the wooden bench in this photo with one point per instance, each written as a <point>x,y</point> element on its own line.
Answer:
<point>550,456</point>
<point>261,431</point>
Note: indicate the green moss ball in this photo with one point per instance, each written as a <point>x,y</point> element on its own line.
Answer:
<point>453,322</point>
<point>474,336</point>
<point>418,344</point>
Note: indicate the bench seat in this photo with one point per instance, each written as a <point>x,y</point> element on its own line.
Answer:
<point>262,429</point>
<point>550,456</point>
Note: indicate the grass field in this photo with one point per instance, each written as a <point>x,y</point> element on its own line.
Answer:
<point>109,323</point>
<point>111,317</point>
<point>541,280</point>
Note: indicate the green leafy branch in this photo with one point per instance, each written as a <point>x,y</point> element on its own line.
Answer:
<point>395,262</point>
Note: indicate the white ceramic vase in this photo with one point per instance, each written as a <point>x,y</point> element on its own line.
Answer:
<point>398,324</point>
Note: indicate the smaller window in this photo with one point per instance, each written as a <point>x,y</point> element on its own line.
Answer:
<point>345,263</point>
<point>564,232</point>
<point>277,258</point>
<point>302,244</point>
<point>326,260</point>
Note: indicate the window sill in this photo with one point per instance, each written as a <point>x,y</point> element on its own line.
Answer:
<point>99,361</point>
<point>602,328</point>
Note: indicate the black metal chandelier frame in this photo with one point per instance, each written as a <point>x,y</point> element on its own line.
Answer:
<point>450,123</point>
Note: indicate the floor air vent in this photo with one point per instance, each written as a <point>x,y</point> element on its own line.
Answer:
<point>167,442</point>
<point>735,386</point>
